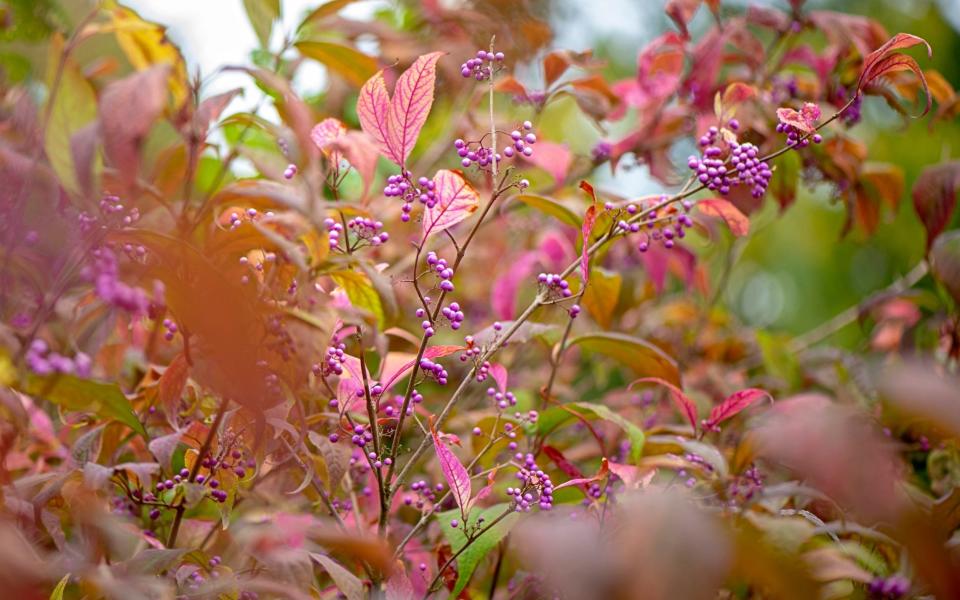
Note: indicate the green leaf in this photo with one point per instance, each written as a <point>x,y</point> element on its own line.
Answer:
<point>262,14</point>
<point>601,295</point>
<point>74,107</point>
<point>777,358</point>
<point>481,546</point>
<point>551,207</point>
<point>351,64</point>
<point>640,355</point>
<point>57,593</point>
<point>361,293</point>
<point>84,395</point>
<point>634,433</point>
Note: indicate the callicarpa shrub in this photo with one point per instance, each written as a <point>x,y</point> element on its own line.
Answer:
<point>408,337</point>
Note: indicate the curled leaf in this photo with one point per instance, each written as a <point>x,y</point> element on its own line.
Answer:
<point>885,60</point>
<point>738,222</point>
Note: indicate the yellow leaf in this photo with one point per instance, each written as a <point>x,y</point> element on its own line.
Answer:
<point>601,295</point>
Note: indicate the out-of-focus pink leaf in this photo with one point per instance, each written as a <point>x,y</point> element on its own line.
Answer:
<point>373,111</point>
<point>658,261</point>
<point>733,404</point>
<point>604,469</point>
<point>633,477</point>
<point>503,292</point>
<point>682,11</point>
<point>411,103</point>
<point>399,586</point>
<point>361,152</point>
<point>553,158</point>
<point>935,197</point>
<point>456,200</point>
<point>454,472</point>
<point>499,374</point>
<point>738,222</point>
<point>685,404</point>
<point>885,60</point>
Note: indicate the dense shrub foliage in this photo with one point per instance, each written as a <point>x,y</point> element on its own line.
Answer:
<point>402,340</point>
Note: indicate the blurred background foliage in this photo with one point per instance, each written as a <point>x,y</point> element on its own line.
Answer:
<point>795,271</point>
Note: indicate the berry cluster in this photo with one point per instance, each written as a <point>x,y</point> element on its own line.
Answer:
<point>443,271</point>
<point>745,166</point>
<point>475,68</point>
<point>43,362</point>
<point>472,351</point>
<point>171,329</point>
<point>502,399</point>
<point>535,486</point>
<point>425,494</point>
<point>111,205</point>
<point>889,588</point>
<point>483,371</point>
<point>521,142</point>
<point>601,151</point>
<point>368,230</point>
<point>454,315</point>
<point>555,284</point>
<point>797,139</point>
<point>435,370</point>
<point>104,272</point>
<point>574,311</point>
<point>334,229</point>
<point>745,487</point>
<point>290,171</point>
<point>377,461</point>
<point>333,363</point>
<point>402,186</point>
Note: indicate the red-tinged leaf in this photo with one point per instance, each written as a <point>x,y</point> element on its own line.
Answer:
<point>373,112</point>
<point>885,60</point>
<point>562,463</point>
<point>738,222</point>
<point>128,110</point>
<point>553,158</point>
<point>633,477</point>
<point>803,120</point>
<point>325,133</point>
<point>682,11</point>
<point>399,586</point>
<point>454,472</point>
<point>604,470</point>
<point>456,200</point>
<point>499,374</point>
<point>486,490</point>
<point>733,404</point>
<point>211,109</point>
<point>737,93</point>
<point>170,387</point>
<point>503,292</point>
<point>361,152</point>
<point>411,103</point>
<point>588,220</point>
<point>935,197</point>
<point>510,85</point>
<point>685,404</point>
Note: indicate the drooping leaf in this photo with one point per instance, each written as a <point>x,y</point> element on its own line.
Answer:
<point>935,197</point>
<point>588,220</point>
<point>682,11</point>
<point>351,64</point>
<point>602,473</point>
<point>128,109</point>
<point>499,374</point>
<point>456,200</point>
<point>738,222</point>
<point>683,403</point>
<point>348,583</point>
<point>885,60</point>
<point>411,103</point>
<point>480,547</point>
<point>170,387</point>
<point>361,152</point>
<point>640,355</point>
<point>262,14</point>
<point>945,262</point>
<point>84,395</point>
<point>373,112</point>
<point>454,472</point>
<point>602,294</point>
<point>733,404</point>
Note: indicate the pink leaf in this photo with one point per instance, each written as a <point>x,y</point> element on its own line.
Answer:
<point>805,120</point>
<point>503,292</point>
<point>734,403</point>
<point>738,222</point>
<point>485,490</point>
<point>361,152</point>
<point>399,586</point>
<point>682,11</point>
<point>633,477</point>
<point>456,200</point>
<point>455,473</point>
<point>604,469</point>
<point>325,132</point>
<point>373,111</point>
<point>411,103</point>
<point>886,60</point>
<point>685,404</point>
<point>499,374</point>
<point>657,261</point>
<point>553,158</point>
